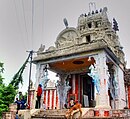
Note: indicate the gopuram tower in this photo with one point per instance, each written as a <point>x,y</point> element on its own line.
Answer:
<point>89,62</point>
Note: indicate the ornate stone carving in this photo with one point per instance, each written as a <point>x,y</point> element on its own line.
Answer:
<point>95,75</point>
<point>62,89</point>
<point>67,38</point>
<point>113,83</point>
<point>41,49</point>
<point>74,40</point>
<point>81,20</point>
<point>51,48</point>
<point>39,74</point>
<point>51,84</point>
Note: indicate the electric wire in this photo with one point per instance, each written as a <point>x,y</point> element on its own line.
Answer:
<point>18,22</point>
<point>43,20</point>
<point>25,24</point>
<point>25,20</point>
<point>32,22</point>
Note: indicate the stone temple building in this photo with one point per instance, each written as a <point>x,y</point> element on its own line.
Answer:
<point>89,62</point>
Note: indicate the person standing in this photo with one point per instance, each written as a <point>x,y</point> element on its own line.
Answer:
<point>18,102</point>
<point>23,102</point>
<point>39,93</point>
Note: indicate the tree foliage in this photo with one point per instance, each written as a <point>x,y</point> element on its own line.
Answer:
<point>7,93</point>
<point>1,71</point>
<point>18,78</point>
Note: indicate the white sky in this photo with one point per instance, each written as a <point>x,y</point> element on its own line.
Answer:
<point>16,35</point>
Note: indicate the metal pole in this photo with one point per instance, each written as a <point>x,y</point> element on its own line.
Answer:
<point>30,54</point>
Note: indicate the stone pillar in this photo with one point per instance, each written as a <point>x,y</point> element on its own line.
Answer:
<point>32,98</point>
<point>40,72</point>
<point>102,99</point>
<point>62,89</point>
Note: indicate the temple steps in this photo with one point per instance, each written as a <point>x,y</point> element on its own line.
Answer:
<point>87,114</point>
<point>49,114</point>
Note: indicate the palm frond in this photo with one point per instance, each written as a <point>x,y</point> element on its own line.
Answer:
<point>18,78</point>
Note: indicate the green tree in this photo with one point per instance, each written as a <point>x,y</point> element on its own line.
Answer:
<point>1,71</point>
<point>7,93</point>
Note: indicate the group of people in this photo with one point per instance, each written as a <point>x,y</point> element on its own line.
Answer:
<point>73,105</point>
<point>21,103</point>
<point>43,106</point>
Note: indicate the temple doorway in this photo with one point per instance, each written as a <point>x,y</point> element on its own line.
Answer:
<point>87,91</point>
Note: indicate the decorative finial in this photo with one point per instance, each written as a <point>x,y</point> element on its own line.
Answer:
<point>105,9</point>
<point>92,7</point>
<point>115,25</point>
<point>41,49</point>
<point>65,22</point>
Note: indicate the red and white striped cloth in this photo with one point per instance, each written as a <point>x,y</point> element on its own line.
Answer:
<point>50,98</point>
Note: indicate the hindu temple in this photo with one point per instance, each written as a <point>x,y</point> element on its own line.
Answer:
<point>89,61</point>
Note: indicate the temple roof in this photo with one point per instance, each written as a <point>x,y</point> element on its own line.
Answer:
<point>94,32</point>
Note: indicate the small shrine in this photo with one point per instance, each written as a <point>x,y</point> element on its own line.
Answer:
<point>50,96</point>
<point>89,61</point>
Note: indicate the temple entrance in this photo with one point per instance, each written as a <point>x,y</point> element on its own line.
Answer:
<point>87,91</point>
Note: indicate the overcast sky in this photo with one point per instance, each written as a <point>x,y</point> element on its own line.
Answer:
<point>24,27</point>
